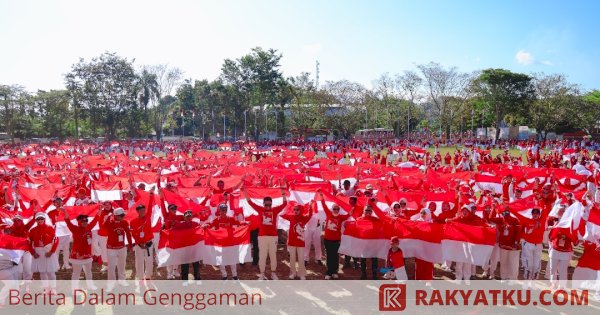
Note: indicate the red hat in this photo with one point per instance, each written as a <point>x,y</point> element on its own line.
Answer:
<point>394,239</point>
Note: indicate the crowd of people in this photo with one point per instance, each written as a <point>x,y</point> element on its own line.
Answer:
<point>43,187</point>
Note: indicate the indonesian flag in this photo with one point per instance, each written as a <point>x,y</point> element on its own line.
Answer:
<point>364,238</point>
<point>592,229</point>
<point>338,177</point>
<point>176,247</point>
<point>12,248</point>
<point>195,194</point>
<point>568,153</point>
<point>41,195</point>
<point>148,179</point>
<point>304,193</point>
<point>468,244</point>
<point>61,227</point>
<point>521,208</point>
<point>439,199</point>
<point>487,182</point>
<point>420,239</point>
<point>257,195</point>
<point>33,182</point>
<point>227,246</point>
<point>587,272</point>
<point>106,191</point>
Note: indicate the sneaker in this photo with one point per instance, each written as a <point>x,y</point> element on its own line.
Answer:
<point>292,277</point>
<point>262,277</point>
<point>327,277</point>
<point>236,278</point>
<point>104,268</point>
<point>485,275</point>
<point>224,278</point>
<point>274,276</point>
<point>335,276</point>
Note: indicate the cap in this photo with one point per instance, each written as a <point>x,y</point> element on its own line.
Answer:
<point>119,211</point>
<point>40,215</point>
<point>394,240</point>
<point>188,213</point>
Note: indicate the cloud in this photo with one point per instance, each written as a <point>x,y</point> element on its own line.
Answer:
<point>524,57</point>
<point>311,49</point>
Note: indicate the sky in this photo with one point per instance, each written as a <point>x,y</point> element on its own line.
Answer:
<point>353,40</point>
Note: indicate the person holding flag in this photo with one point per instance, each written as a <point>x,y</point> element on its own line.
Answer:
<point>267,232</point>
<point>509,239</point>
<point>141,232</point>
<point>295,241</point>
<point>227,222</point>
<point>81,252</point>
<point>43,243</point>
<point>188,224</point>
<point>118,230</point>
<point>332,236</point>
<point>533,235</point>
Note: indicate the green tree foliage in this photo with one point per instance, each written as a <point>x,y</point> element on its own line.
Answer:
<point>504,92</point>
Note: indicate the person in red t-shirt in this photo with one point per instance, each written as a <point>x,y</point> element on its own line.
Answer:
<point>267,232</point>
<point>188,224</point>
<point>141,232</point>
<point>118,230</point>
<point>509,243</point>
<point>81,251</point>
<point>43,244</point>
<point>226,222</point>
<point>295,241</point>
<point>533,236</point>
<point>395,260</point>
<point>560,252</point>
<point>332,236</point>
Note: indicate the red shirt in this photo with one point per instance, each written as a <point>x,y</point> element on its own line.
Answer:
<point>42,235</point>
<point>182,225</point>
<point>268,224</point>
<point>533,232</point>
<point>117,231</point>
<point>296,232</point>
<point>141,230</point>
<point>333,224</point>
<point>395,259</point>
<point>82,239</point>
<point>559,243</point>
<point>509,232</point>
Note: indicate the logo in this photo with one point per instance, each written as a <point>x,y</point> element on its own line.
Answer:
<point>392,297</point>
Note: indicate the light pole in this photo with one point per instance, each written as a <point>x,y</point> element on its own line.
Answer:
<point>224,126</point>
<point>182,126</point>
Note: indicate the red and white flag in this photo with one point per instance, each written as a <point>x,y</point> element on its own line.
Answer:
<point>183,246</point>
<point>488,182</point>
<point>365,239</point>
<point>587,273</point>
<point>12,248</point>
<point>421,240</point>
<point>227,246</point>
<point>106,191</point>
<point>467,243</point>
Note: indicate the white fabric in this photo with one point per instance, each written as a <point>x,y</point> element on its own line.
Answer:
<point>509,264</point>
<point>313,238</point>
<point>116,260</point>
<point>43,263</point>
<point>144,262</point>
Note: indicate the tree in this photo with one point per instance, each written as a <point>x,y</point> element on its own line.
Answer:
<point>107,87</point>
<point>556,102</point>
<point>441,84</point>
<point>55,113</point>
<point>409,84</point>
<point>13,110</point>
<point>587,117</point>
<point>163,79</point>
<point>504,92</point>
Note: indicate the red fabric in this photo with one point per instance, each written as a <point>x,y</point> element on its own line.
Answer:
<point>423,269</point>
<point>395,259</point>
